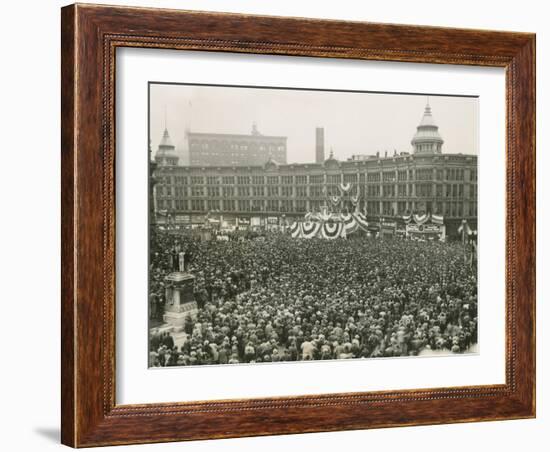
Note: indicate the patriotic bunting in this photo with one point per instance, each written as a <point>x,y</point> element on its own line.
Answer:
<point>324,215</point>
<point>331,230</point>
<point>361,221</point>
<point>345,187</point>
<point>296,230</point>
<point>421,219</point>
<point>330,225</point>
<point>310,229</point>
<point>350,224</point>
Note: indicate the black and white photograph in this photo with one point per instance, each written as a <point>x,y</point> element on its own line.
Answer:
<point>276,226</point>
<point>291,225</point>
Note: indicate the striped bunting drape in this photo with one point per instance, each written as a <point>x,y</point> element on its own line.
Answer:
<point>310,229</point>
<point>296,230</point>
<point>350,223</point>
<point>361,220</point>
<point>331,231</point>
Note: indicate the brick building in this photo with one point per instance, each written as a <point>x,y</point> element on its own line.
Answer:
<point>221,149</point>
<point>425,180</point>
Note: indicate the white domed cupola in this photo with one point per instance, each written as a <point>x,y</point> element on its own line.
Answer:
<point>427,140</point>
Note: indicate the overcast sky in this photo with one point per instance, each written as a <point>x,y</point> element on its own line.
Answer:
<point>354,123</point>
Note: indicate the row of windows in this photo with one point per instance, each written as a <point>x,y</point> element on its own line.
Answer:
<point>422,174</point>
<point>350,178</point>
<point>450,209</point>
<point>431,147</point>
<point>427,174</point>
<point>301,191</point>
<point>242,146</point>
<point>255,205</point>
<point>388,176</point>
<point>228,192</point>
<point>315,179</point>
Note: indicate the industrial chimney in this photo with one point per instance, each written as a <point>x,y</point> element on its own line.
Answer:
<point>319,145</point>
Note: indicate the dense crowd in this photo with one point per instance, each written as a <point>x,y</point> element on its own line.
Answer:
<point>283,299</point>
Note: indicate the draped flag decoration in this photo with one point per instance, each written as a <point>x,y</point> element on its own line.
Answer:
<point>324,215</point>
<point>331,225</point>
<point>425,225</point>
<point>296,230</point>
<point>350,223</point>
<point>361,221</point>
<point>346,187</point>
<point>331,230</point>
<point>310,229</point>
<point>328,225</point>
<point>313,216</point>
<point>421,219</point>
<point>342,215</point>
<point>424,218</point>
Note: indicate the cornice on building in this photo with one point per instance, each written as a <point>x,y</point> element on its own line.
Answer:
<point>470,159</point>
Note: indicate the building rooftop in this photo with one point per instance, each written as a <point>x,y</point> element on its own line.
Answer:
<point>427,118</point>
<point>427,138</point>
<point>166,141</point>
<point>234,135</point>
<point>340,163</point>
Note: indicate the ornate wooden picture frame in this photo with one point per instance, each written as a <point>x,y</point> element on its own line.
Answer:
<point>90,37</point>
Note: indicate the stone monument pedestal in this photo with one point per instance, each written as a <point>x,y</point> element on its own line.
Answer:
<point>180,302</point>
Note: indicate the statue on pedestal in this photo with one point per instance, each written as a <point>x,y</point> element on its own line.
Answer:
<point>180,301</point>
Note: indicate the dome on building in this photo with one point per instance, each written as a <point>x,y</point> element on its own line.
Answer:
<point>331,162</point>
<point>427,139</point>
<point>166,153</point>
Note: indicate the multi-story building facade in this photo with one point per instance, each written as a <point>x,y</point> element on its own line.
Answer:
<point>221,149</point>
<point>425,180</point>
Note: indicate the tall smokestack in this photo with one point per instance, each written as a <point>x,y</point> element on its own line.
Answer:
<point>319,145</point>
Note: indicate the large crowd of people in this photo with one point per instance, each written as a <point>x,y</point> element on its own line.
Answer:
<point>275,298</point>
